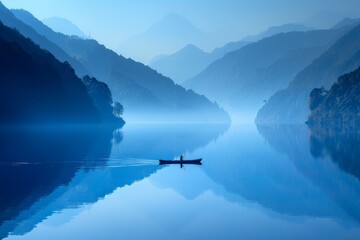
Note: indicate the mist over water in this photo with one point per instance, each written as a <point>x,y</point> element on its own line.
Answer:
<point>135,119</point>
<point>255,181</point>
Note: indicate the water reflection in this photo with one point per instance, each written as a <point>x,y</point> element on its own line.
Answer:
<point>341,146</point>
<point>165,141</point>
<point>35,161</point>
<point>322,159</point>
<point>67,168</point>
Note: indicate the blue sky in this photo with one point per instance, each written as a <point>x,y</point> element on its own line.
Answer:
<point>114,21</point>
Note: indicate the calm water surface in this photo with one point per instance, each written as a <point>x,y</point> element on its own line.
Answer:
<point>256,182</point>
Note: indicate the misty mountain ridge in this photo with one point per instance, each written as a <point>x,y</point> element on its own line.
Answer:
<point>290,27</point>
<point>243,79</point>
<point>291,104</point>
<point>323,19</point>
<point>192,60</point>
<point>9,19</point>
<point>167,36</point>
<point>347,22</point>
<point>182,65</point>
<point>145,94</point>
<point>63,26</point>
<point>38,89</point>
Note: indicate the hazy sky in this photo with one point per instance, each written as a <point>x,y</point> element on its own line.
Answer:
<point>114,21</point>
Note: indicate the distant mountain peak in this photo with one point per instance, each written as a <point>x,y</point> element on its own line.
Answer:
<point>166,36</point>
<point>289,27</point>
<point>173,17</point>
<point>63,26</point>
<point>191,47</point>
<point>346,22</point>
<point>173,22</point>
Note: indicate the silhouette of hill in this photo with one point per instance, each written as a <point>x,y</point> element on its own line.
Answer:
<point>229,47</point>
<point>101,96</point>
<point>291,104</point>
<point>64,26</point>
<point>166,36</point>
<point>243,79</point>
<point>193,60</point>
<point>145,94</point>
<point>37,88</point>
<point>182,65</point>
<point>338,107</point>
<point>347,22</point>
<point>189,61</point>
<point>8,19</point>
<point>291,27</point>
<point>323,19</point>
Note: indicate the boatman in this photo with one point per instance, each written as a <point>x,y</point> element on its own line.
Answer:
<point>181,158</point>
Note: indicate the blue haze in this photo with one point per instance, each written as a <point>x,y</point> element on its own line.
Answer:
<point>113,22</point>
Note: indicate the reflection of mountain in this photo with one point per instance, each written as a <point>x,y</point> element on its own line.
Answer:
<point>162,141</point>
<point>68,179</point>
<point>86,187</point>
<point>37,161</point>
<point>340,187</point>
<point>342,147</point>
<point>243,165</point>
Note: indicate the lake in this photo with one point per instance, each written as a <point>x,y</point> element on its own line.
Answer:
<point>256,182</point>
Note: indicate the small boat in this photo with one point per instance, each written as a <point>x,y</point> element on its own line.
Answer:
<point>195,161</point>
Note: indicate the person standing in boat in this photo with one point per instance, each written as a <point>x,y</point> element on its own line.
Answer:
<point>181,158</point>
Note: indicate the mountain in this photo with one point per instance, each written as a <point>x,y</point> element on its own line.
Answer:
<point>167,36</point>
<point>291,27</point>
<point>347,22</point>
<point>145,94</point>
<point>36,88</point>
<point>291,104</point>
<point>229,47</point>
<point>323,19</point>
<point>182,65</point>
<point>8,19</point>
<point>243,79</point>
<point>191,59</point>
<point>64,26</point>
<point>101,97</point>
<point>338,107</point>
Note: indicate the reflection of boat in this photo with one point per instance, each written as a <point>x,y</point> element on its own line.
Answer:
<point>195,161</point>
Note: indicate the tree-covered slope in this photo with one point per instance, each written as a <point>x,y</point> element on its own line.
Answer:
<point>338,107</point>
<point>243,79</point>
<point>145,94</point>
<point>291,104</point>
<point>8,19</point>
<point>36,88</point>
